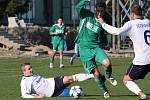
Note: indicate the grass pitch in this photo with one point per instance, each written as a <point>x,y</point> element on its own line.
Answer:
<point>10,76</point>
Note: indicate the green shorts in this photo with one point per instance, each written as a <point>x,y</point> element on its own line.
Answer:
<point>90,57</point>
<point>59,46</point>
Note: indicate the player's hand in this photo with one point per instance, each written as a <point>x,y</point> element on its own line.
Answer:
<point>57,32</point>
<point>100,20</point>
<point>39,96</point>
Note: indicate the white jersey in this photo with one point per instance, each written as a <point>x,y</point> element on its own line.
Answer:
<point>139,32</point>
<point>36,84</point>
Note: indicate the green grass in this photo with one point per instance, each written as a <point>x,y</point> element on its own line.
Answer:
<point>10,76</point>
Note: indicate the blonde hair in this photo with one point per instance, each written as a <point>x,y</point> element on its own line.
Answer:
<point>23,65</point>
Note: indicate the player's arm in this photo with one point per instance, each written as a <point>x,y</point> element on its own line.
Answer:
<point>111,29</point>
<point>38,96</point>
<point>53,31</point>
<point>114,30</point>
<point>80,7</point>
<point>25,91</point>
<point>33,96</point>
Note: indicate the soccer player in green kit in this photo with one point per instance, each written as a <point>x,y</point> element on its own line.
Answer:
<point>89,45</point>
<point>57,34</point>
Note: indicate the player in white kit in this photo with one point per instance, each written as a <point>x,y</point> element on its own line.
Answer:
<point>138,30</point>
<point>36,86</point>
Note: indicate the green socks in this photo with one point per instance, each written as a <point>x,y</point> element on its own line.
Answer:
<point>108,71</point>
<point>100,81</point>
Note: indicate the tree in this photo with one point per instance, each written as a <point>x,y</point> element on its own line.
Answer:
<point>12,8</point>
<point>16,7</point>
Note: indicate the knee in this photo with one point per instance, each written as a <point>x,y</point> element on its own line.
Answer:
<point>126,78</point>
<point>68,79</point>
<point>106,63</point>
<point>96,73</point>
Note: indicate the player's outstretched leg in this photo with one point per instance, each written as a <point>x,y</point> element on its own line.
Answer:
<point>74,91</point>
<point>77,78</point>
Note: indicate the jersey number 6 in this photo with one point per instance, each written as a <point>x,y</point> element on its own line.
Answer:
<point>147,37</point>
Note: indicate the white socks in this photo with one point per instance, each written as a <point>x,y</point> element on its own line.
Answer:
<point>82,77</point>
<point>143,96</point>
<point>133,87</point>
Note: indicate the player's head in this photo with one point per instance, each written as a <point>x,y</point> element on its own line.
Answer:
<point>100,9</point>
<point>26,69</point>
<point>136,11</point>
<point>60,21</point>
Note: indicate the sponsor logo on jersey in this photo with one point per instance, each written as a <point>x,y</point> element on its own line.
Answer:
<point>92,27</point>
<point>60,31</point>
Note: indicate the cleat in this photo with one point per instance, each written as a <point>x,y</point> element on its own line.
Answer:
<point>106,95</point>
<point>71,61</point>
<point>61,66</point>
<point>112,81</point>
<point>51,65</point>
<point>145,98</point>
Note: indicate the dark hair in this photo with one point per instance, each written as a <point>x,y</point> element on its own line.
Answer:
<point>136,9</point>
<point>59,18</point>
<point>100,4</point>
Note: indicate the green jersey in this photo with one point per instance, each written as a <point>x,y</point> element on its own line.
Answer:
<point>88,36</point>
<point>58,37</point>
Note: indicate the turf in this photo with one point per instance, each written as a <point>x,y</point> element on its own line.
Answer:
<point>10,76</point>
